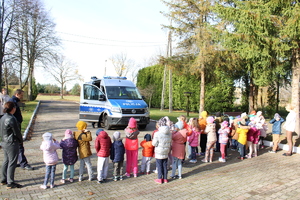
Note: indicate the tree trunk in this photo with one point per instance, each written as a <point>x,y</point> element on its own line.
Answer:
<point>295,86</point>
<point>202,90</point>
<point>62,91</point>
<point>251,96</point>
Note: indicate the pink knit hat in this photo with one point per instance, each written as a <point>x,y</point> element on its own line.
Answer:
<point>132,123</point>
<point>210,120</point>
<point>68,134</point>
<point>224,123</point>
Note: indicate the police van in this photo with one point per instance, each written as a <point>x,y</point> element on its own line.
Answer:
<point>111,102</point>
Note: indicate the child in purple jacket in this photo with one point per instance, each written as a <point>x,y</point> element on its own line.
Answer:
<point>49,147</point>
<point>69,154</point>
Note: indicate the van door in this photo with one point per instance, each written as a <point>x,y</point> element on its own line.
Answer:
<point>92,102</point>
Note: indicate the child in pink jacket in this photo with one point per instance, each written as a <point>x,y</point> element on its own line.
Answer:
<point>132,146</point>
<point>194,139</point>
<point>49,147</point>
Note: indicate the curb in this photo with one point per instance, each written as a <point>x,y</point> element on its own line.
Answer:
<point>30,122</point>
<point>282,146</point>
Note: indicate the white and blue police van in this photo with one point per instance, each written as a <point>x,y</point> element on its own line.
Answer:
<point>111,102</point>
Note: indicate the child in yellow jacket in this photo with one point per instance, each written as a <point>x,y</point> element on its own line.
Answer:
<point>242,131</point>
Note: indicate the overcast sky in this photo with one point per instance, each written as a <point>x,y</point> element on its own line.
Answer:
<point>94,30</point>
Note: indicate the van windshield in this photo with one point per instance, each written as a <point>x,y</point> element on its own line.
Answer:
<point>122,92</point>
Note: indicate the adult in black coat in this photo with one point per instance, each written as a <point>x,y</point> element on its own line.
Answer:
<point>16,98</point>
<point>11,140</point>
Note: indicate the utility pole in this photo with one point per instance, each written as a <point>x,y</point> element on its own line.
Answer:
<point>169,54</point>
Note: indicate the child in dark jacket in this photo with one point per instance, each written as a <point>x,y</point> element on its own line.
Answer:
<point>117,152</point>
<point>102,146</point>
<point>276,131</point>
<point>148,151</point>
<point>69,154</point>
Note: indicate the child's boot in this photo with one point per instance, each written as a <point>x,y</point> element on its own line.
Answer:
<point>115,178</point>
<point>121,178</point>
<point>159,181</point>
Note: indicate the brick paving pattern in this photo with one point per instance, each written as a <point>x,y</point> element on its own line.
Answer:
<point>268,176</point>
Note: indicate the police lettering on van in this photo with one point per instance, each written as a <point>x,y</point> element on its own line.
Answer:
<point>111,102</point>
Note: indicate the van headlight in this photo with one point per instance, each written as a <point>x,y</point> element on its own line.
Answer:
<point>116,109</point>
<point>146,110</point>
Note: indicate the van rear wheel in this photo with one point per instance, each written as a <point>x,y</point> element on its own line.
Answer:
<point>106,125</point>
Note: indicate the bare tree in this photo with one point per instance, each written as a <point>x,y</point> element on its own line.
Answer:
<point>64,71</point>
<point>35,42</point>
<point>121,63</point>
<point>148,93</point>
<point>7,22</point>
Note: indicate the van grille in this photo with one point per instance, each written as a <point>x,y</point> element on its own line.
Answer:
<point>133,111</point>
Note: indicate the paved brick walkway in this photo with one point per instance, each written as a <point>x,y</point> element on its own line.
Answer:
<point>268,176</point>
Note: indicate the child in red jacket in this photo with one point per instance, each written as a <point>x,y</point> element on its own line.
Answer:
<point>147,152</point>
<point>102,146</point>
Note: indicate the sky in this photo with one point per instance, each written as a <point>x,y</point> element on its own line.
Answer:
<point>92,31</point>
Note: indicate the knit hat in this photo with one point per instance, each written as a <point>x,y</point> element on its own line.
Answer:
<point>253,112</point>
<point>224,123</point>
<point>147,137</point>
<point>277,116</point>
<point>210,119</point>
<point>179,125</point>
<point>47,136</point>
<point>68,134</point>
<point>132,123</point>
<point>259,113</point>
<point>81,125</point>
<point>204,114</point>
<point>164,121</point>
<point>244,115</point>
<point>98,131</point>
<point>116,135</point>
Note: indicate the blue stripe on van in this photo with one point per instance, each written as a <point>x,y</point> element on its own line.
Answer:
<point>94,109</point>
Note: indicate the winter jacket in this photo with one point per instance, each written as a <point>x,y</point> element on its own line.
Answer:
<point>117,151</point>
<point>178,140</point>
<point>84,146</point>
<point>202,121</point>
<point>223,135</point>
<point>69,151</point>
<point>18,113</point>
<point>148,149</point>
<point>242,132</point>
<point>290,123</point>
<point>162,142</point>
<point>131,141</point>
<point>49,148</point>
<point>276,129</point>
<point>10,130</point>
<point>210,130</point>
<point>194,138</point>
<point>103,144</point>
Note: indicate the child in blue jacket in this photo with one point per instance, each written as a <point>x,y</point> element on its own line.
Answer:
<point>276,131</point>
<point>117,152</point>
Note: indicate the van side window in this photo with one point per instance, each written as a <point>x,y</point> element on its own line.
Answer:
<point>91,92</point>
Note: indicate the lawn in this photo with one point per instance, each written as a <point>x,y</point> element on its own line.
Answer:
<point>156,114</point>
<point>27,113</point>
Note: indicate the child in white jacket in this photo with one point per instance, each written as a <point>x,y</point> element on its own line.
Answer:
<point>49,147</point>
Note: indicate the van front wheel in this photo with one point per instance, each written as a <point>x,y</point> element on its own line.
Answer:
<point>106,125</point>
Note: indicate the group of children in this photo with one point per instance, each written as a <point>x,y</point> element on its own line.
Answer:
<point>167,144</point>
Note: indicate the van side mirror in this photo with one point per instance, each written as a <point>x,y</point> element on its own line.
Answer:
<point>102,97</point>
